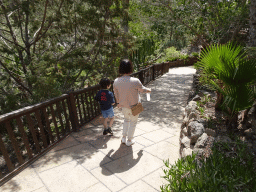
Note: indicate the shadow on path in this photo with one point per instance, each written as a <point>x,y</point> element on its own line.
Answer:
<point>121,166</point>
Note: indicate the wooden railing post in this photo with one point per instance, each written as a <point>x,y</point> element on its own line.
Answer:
<point>141,78</point>
<point>153,72</point>
<point>162,69</point>
<point>6,155</point>
<point>72,111</point>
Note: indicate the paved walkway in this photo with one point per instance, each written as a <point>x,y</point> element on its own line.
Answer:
<point>88,161</point>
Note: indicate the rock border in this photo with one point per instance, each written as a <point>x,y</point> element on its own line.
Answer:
<point>196,137</point>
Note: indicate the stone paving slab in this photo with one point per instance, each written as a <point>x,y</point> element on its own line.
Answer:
<point>58,158</point>
<point>134,166</point>
<point>97,187</point>
<point>139,186</point>
<point>43,189</point>
<point>26,181</point>
<point>162,153</point>
<point>88,161</point>
<point>155,179</point>
<point>110,180</point>
<point>68,177</point>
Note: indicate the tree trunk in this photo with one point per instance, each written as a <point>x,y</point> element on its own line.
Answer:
<point>218,101</point>
<point>220,96</point>
<point>252,23</point>
<point>126,27</point>
<point>252,42</point>
<point>233,123</point>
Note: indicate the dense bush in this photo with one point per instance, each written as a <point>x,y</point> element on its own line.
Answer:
<point>170,54</point>
<point>224,170</point>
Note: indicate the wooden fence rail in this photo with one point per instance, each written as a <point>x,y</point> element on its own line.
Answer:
<point>27,133</point>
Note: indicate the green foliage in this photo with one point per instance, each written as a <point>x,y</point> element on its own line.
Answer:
<point>200,107</point>
<point>251,52</point>
<point>156,17</point>
<point>205,99</point>
<point>199,22</point>
<point>184,57</point>
<point>220,172</point>
<point>146,42</point>
<point>46,55</point>
<point>226,69</point>
<point>141,55</point>
<point>170,54</point>
<point>215,21</point>
<point>153,33</point>
<point>201,103</point>
<point>195,54</point>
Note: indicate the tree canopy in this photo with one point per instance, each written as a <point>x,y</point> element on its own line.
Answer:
<point>50,47</point>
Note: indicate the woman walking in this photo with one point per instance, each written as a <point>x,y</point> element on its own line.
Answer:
<point>126,90</point>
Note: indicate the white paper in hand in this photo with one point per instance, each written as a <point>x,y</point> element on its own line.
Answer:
<point>148,96</point>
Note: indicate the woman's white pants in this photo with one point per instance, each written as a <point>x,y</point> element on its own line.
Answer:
<point>130,123</point>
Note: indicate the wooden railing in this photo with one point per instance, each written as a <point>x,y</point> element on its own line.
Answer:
<point>28,133</point>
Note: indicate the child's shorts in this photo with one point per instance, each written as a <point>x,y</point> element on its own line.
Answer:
<point>108,113</point>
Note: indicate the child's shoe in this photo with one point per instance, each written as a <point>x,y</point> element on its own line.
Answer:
<point>110,131</point>
<point>105,132</point>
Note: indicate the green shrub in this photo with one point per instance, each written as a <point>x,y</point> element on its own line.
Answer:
<point>218,173</point>
<point>195,54</point>
<point>184,57</point>
<point>170,54</point>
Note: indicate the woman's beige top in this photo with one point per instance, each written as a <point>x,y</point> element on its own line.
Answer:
<point>127,89</point>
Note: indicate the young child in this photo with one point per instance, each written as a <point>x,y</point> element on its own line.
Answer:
<point>106,100</point>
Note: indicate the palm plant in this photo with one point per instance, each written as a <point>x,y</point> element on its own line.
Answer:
<point>226,69</point>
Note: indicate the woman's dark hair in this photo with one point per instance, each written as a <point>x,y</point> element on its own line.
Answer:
<point>104,83</point>
<point>125,66</point>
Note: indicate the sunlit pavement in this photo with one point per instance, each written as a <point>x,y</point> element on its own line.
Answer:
<point>88,161</point>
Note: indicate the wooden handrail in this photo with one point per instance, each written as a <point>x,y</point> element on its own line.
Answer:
<point>31,108</point>
<point>85,89</point>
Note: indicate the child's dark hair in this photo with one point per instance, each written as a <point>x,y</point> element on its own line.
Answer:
<point>104,83</point>
<point>125,67</point>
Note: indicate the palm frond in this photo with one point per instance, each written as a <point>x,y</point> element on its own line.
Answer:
<point>238,97</point>
<point>233,73</point>
<point>226,69</point>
